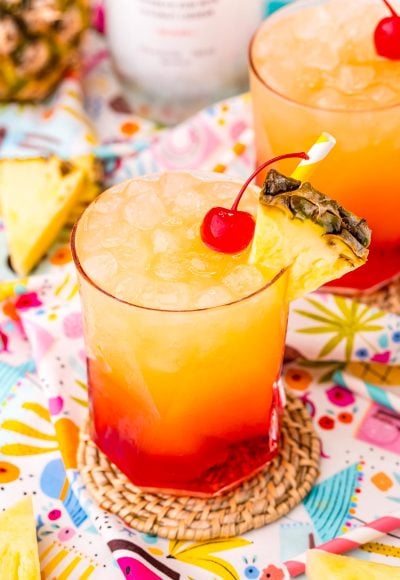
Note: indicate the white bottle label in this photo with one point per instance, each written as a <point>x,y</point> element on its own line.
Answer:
<point>183,49</point>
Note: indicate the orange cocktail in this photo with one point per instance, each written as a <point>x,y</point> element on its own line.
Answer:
<point>314,67</point>
<point>184,344</point>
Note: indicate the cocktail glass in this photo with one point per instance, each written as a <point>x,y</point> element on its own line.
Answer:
<point>306,79</point>
<point>184,401</point>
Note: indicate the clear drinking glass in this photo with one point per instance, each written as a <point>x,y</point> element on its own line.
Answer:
<point>183,400</point>
<point>362,170</point>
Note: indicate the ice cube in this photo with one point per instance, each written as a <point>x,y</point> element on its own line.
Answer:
<point>193,232</point>
<point>108,202</point>
<point>309,28</point>
<point>173,220</point>
<point>166,295</point>
<point>94,221</point>
<point>169,267</point>
<point>164,241</point>
<point>145,211</point>
<point>323,56</point>
<point>175,183</point>
<point>117,236</point>
<point>244,279</point>
<point>197,265</point>
<point>190,201</point>
<point>328,98</point>
<point>213,296</point>
<point>133,256</point>
<point>383,95</point>
<point>100,267</point>
<point>352,78</point>
<point>131,286</point>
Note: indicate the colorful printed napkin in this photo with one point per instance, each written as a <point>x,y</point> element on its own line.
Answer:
<point>332,342</point>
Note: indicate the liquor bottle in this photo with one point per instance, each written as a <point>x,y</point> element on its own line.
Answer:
<point>177,56</point>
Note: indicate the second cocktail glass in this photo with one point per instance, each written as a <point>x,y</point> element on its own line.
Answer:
<point>313,67</point>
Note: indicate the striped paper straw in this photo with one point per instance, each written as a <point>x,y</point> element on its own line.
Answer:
<point>317,152</point>
<point>368,391</point>
<point>348,541</point>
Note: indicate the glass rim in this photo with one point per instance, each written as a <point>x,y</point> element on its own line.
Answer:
<point>307,106</point>
<point>97,286</point>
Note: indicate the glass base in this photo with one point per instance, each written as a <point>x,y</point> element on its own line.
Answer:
<point>382,267</point>
<point>241,461</point>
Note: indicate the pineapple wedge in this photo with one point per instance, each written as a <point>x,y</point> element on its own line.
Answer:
<point>324,566</point>
<point>19,558</point>
<point>37,196</point>
<point>300,227</point>
<point>93,170</point>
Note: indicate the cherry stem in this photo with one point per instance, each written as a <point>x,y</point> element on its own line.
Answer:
<point>301,155</point>
<point>392,10</point>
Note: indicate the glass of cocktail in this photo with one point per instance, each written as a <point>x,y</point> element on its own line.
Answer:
<point>184,344</point>
<point>314,67</point>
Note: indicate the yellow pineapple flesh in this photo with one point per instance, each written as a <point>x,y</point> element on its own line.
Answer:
<point>19,558</point>
<point>93,171</point>
<point>301,228</point>
<point>37,196</point>
<point>324,566</point>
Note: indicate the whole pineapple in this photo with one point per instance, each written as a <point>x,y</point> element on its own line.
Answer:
<point>39,40</point>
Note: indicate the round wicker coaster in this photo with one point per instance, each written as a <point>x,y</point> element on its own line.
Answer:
<point>260,500</point>
<point>386,298</point>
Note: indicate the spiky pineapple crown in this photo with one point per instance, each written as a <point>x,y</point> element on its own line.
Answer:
<point>303,201</point>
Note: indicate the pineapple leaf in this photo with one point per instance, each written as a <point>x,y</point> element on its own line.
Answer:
<point>201,549</point>
<point>81,402</point>
<point>349,347</point>
<point>330,345</point>
<point>343,305</point>
<point>324,309</point>
<point>221,568</point>
<point>317,330</point>
<point>18,449</point>
<point>24,429</point>
<point>374,316</point>
<point>81,384</point>
<point>318,317</point>
<point>201,554</point>
<point>38,409</point>
<point>326,377</point>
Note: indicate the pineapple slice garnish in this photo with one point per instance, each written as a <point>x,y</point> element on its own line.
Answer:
<point>323,566</point>
<point>38,196</point>
<point>300,227</point>
<point>19,557</point>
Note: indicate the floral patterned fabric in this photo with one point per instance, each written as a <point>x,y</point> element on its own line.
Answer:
<point>343,362</point>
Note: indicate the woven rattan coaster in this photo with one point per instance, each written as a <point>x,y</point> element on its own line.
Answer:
<point>386,298</point>
<point>265,497</point>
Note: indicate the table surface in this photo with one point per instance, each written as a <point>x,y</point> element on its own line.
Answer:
<point>43,391</point>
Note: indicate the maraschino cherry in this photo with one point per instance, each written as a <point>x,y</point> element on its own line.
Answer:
<point>387,35</point>
<point>230,230</point>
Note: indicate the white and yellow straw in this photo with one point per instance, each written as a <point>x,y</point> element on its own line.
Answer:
<point>318,151</point>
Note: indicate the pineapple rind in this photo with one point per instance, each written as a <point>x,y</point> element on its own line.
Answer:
<point>309,232</point>
<point>324,566</point>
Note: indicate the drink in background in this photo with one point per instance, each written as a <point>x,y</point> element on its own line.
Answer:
<point>313,67</point>
<point>176,57</point>
<point>184,344</point>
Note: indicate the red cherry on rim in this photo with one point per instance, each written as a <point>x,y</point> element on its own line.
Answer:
<point>227,230</point>
<point>230,230</point>
<point>387,35</point>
